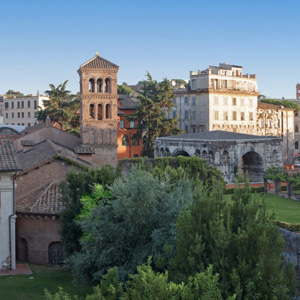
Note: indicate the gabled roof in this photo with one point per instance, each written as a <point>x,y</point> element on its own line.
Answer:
<point>128,103</point>
<point>37,155</point>
<point>8,159</point>
<point>45,200</point>
<point>98,62</point>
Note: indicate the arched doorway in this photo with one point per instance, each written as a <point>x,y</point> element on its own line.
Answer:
<point>22,253</point>
<point>252,163</point>
<point>181,152</point>
<point>56,253</point>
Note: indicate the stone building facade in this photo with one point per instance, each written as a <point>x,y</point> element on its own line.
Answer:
<point>220,98</point>
<point>298,91</point>
<point>230,152</point>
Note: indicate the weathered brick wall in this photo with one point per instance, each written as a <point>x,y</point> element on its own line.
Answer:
<point>27,183</point>
<point>39,232</point>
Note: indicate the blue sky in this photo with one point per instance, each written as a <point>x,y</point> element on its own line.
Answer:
<point>44,42</point>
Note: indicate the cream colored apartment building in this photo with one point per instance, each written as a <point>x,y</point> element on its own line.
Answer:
<point>22,111</point>
<point>220,98</point>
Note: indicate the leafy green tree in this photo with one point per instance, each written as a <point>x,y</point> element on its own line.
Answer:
<point>147,284</point>
<point>285,103</point>
<point>239,241</point>
<point>125,90</point>
<point>76,185</point>
<point>11,94</point>
<point>156,101</point>
<point>138,223</point>
<point>61,108</point>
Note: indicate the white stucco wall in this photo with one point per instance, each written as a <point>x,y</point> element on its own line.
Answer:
<point>7,232</point>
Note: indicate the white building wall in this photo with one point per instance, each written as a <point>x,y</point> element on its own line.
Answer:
<point>7,219</point>
<point>21,111</point>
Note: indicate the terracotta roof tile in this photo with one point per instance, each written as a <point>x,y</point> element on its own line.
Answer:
<point>8,158</point>
<point>44,200</point>
<point>98,62</point>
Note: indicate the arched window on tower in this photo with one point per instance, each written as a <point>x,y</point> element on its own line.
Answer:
<point>91,85</point>
<point>108,111</point>
<point>92,111</point>
<point>125,140</point>
<point>107,85</point>
<point>296,128</point>
<point>99,85</point>
<point>100,112</point>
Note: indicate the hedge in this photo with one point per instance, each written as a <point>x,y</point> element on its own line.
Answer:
<point>288,226</point>
<point>253,190</point>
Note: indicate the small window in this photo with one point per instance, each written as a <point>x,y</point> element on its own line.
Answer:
<point>18,115</point>
<point>28,125</point>
<point>226,116</point>
<point>22,124</point>
<point>194,115</point>
<point>22,114</point>
<point>233,101</point>
<point>242,102</point>
<point>135,155</point>
<point>6,115</point>
<point>29,114</point>
<point>251,116</point>
<point>18,104</point>
<point>234,116</point>
<point>193,100</point>
<point>225,101</point>
<point>35,104</point>
<point>22,104</point>
<point>186,100</point>
<point>6,105</point>
<point>242,116</point>
<point>202,115</point>
<point>28,103</point>
<point>297,145</point>
<point>122,124</point>
<point>12,115</point>
<point>131,124</point>
<point>125,140</point>
<point>174,113</point>
<point>216,115</point>
<point>296,128</point>
<point>186,114</point>
<point>12,105</point>
<point>186,128</point>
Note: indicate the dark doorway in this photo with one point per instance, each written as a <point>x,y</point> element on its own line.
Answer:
<point>182,153</point>
<point>22,253</point>
<point>56,253</point>
<point>252,163</point>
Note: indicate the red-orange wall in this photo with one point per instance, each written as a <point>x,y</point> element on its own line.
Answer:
<point>130,150</point>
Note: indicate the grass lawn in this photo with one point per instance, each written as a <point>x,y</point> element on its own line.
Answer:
<point>19,287</point>
<point>285,210</point>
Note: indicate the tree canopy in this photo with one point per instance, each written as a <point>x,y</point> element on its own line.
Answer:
<point>125,90</point>
<point>285,103</point>
<point>61,108</point>
<point>156,101</point>
<point>138,223</point>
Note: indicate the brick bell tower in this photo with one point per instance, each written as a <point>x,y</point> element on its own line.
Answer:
<point>98,110</point>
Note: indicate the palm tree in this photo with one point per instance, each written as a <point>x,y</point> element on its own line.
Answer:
<point>61,108</point>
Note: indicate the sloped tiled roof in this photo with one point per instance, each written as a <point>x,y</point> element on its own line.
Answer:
<point>98,62</point>
<point>44,200</point>
<point>37,155</point>
<point>263,105</point>
<point>34,128</point>
<point>127,102</point>
<point>8,158</point>
<point>218,135</point>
